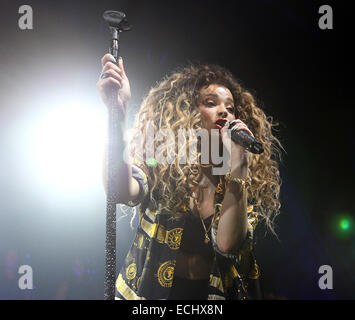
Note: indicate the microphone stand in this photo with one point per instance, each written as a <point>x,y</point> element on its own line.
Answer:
<point>117,23</point>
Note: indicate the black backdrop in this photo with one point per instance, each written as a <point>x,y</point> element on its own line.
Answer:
<point>300,74</point>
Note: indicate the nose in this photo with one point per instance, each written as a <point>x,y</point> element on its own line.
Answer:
<point>222,111</point>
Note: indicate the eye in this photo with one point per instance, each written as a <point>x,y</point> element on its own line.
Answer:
<point>231,109</point>
<point>210,103</point>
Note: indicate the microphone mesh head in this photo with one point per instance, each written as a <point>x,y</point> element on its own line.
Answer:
<point>114,18</point>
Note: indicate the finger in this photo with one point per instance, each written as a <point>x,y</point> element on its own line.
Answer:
<point>120,64</point>
<point>108,58</point>
<point>240,127</point>
<point>110,65</point>
<point>225,133</point>
<point>112,81</point>
<point>236,121</point>
<point>111,74</point>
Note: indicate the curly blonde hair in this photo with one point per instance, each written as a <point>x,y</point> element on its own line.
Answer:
<point>172,104</point>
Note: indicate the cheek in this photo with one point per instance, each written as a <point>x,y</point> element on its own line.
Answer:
<point>205,115</point>
<point>208,114</point>
<point>232,117</point>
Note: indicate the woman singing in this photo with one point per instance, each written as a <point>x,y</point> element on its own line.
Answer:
<point>196,219</point>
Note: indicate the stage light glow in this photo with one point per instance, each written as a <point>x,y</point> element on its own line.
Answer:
<point>151,162</point>
<point>64,147</point>
<point>342,225</point>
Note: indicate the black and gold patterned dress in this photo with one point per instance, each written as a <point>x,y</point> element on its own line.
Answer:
<point>148,270</point>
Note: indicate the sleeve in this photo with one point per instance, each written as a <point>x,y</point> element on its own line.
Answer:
<point>247,245</point>
<point>141,177</point>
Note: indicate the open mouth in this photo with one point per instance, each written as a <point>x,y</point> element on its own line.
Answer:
<point>220,123</point>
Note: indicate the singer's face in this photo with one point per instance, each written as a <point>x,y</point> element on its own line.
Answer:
<point>216,102</point>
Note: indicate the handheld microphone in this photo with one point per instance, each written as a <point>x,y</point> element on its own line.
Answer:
<point>242,138</point>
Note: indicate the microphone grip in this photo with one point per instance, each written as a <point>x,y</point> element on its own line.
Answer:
<point>247,141</point>
<point>114,49</point>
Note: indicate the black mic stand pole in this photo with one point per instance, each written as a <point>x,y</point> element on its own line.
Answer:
<point>117,23</point>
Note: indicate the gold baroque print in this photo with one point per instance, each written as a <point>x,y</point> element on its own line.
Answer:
<point>131,271</point>
<point>161,233</point>
<point>174,238</point>
<point>140,240</point>
<point>166,273</point>
<point>219,188</point>
<point>254,273</point>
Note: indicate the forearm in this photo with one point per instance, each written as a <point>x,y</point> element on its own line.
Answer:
<point>233,223</point>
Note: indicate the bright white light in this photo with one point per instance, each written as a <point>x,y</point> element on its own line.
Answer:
<point>66,147</point>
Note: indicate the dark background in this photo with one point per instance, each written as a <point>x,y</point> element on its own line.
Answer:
<point>299,74</point>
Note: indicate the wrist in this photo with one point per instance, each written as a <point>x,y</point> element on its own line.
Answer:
<point>243,183</point>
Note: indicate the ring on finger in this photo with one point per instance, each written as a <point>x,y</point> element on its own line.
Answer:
<point>104,75</point>
<point>234,125</point>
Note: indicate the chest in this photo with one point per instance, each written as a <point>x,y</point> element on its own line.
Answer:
<point>203,206</point>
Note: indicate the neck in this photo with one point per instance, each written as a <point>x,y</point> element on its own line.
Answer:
<point>208,178</point>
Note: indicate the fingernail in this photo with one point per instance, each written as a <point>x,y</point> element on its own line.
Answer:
<point>120,58</point>
<point>113,59</point>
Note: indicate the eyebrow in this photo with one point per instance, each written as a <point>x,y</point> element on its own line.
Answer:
<point>216,96</point>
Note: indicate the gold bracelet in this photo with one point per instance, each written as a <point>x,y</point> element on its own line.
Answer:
<point>244,183</point>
